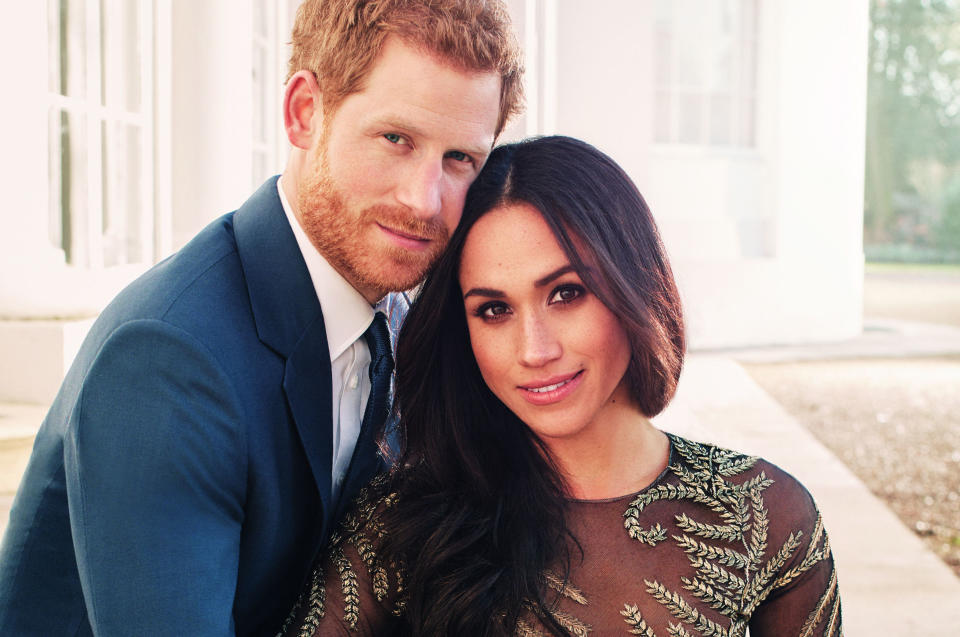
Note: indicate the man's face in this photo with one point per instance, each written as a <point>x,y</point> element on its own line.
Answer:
<point>387,178</point>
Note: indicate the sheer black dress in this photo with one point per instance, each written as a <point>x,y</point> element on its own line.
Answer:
<point>719,542</point>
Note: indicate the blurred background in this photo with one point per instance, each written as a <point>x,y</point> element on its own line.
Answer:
<point>801,158</point>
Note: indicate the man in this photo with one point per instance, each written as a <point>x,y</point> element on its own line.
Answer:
<point>213,422</point>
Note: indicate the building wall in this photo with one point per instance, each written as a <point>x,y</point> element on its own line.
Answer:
<point>765,242</point>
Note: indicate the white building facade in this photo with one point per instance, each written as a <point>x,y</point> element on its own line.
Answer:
<point>133,123</point>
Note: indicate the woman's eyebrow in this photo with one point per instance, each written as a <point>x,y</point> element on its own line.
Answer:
<point>488,292</point>
<point>542,281</point>
<point>559,272</point>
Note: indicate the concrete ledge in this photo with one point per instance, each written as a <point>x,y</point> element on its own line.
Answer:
<point>881,338</point>
<point>36,355</point>
<point>18,426</point>
<point>890,583</point>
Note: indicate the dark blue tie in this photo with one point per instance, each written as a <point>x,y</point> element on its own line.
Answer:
<point>381,367</point>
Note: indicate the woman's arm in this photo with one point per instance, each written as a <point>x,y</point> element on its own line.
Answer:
<point>804,598</point>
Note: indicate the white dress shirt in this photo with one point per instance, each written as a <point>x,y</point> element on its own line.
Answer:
<point>346,316</point>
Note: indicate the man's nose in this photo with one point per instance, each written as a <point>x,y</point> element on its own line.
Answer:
<point>420,190</point>
<point>539,345</point>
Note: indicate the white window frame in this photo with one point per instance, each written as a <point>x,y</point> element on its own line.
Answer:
<point>270,39</point>
<point>740,135</point>
<point>264,45</point>
<point>87,244</point>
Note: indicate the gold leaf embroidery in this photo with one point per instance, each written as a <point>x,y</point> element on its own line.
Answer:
<point>348,582</point>
<point>631,615</point>
<point>564,588</point>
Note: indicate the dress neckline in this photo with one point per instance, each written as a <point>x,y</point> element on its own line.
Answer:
<point>634,494</point>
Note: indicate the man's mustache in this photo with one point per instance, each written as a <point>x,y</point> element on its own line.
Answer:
<point>400,219</point>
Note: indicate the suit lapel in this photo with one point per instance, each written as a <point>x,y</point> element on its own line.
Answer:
<point>289,321</point>
<point>307,383</point>
<point>363,465</point>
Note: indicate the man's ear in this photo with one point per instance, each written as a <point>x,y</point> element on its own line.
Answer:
<point>302,109</point>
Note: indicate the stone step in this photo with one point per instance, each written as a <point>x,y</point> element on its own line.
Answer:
<point>18,426</point>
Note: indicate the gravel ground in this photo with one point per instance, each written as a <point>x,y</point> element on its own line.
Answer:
<point>894,422</point>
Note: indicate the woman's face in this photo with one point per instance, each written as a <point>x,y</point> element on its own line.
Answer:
<point>546,346</point>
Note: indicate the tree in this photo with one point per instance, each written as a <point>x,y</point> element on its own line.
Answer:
<point>913,110</point>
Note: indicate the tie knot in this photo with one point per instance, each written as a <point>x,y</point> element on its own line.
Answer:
<point>378,339</point>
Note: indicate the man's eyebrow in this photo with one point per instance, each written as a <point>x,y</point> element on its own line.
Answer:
<point>556,274</point>
<point>488,292</point>
<point>393,121</point>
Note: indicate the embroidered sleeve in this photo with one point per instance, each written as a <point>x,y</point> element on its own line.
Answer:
<point>803,598</point>
<point>352,589</point>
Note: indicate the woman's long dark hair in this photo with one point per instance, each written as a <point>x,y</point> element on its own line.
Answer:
<point>481,513</point>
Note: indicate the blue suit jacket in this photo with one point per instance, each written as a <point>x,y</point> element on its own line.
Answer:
<point>180,484</point>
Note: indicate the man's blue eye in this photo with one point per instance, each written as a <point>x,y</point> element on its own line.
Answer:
<point>458,155</point>
<point>393,138</point>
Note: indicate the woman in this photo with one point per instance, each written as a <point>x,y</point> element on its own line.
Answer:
<point>533,495</point>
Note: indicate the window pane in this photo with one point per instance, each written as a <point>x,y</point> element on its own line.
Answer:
<point>747,129</point>
<point>261,25</point>
<point>662,125</point>
<point>721,71</point>
<point>757,238</point>
<point>264,85</point>
<point>54,180</point>
<point>748,67</point>
<point>68,182</point>
<point>690,62</point>
<point>260,93</point>
<point>123,214</point>
<point>748,17</point>
<point>662,56</point>
<point>121,54</point>
<point>690,129</point>
<point>260,167</point>
<point>68,50</point>
<point>705,71</point>
<point>721,120</point>
<point>663,14</point>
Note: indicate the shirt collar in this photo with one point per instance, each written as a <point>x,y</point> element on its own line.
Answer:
<point>346,314</point>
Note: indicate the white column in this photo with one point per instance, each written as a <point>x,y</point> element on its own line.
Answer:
<point>211,113</point>
<point>24,244</point>
<point>822,96</point>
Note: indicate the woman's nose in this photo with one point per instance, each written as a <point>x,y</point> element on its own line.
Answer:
<point>539,345</point>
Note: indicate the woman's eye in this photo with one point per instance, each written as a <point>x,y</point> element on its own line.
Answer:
<point>492,311</point>
<point>566,294</point>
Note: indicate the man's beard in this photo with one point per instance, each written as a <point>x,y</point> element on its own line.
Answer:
<point>344,235</point>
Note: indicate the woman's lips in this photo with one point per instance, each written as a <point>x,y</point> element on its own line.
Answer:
<point>551,390</point>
